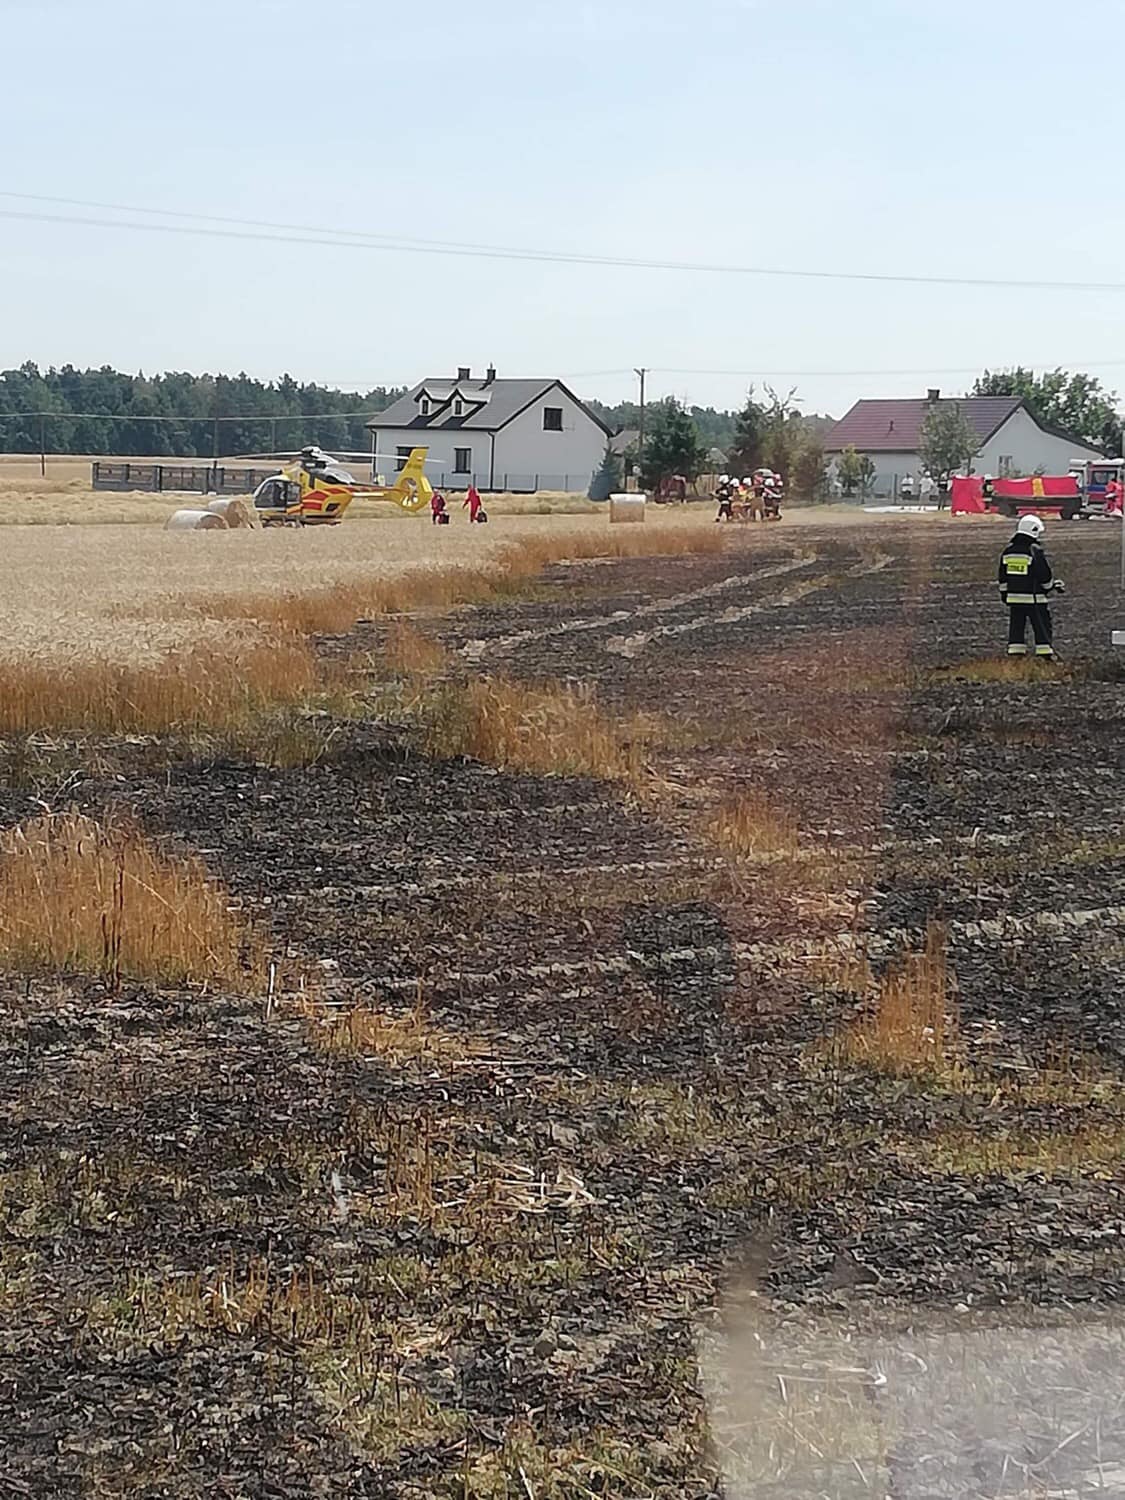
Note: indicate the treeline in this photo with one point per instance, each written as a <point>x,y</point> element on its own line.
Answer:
<point>715,429</point>
<point>107,411</point>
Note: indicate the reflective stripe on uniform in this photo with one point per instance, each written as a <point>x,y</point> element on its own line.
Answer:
<point>1022,599</point>
<point>1017,650</point>
<point>1044,650</point>
<point>1017,562</point>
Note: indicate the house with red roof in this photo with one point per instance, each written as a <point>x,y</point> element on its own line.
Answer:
<point>1012,441</point>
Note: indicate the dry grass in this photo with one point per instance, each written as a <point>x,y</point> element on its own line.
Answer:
<point>998,669</point>
<point>1097,1148</point>
<point>412,654</point>
<point>204,688</point>
<point>132,594</point>
<point>846,972</point>
<point>751,827</point>
<point>335,610</point>
<point>77,896</point>
<point>399,1039</point>
<point>913,1025</point>
<point>256,1297</point>
<point>548,730</point>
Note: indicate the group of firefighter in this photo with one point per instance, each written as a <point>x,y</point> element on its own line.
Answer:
<point>755,498</point>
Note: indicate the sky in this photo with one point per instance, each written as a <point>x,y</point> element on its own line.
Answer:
<point>975,138</point>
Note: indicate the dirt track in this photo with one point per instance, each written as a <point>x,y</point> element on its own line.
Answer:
<point>488,1237</point>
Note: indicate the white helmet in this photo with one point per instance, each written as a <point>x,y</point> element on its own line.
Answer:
<point>749,479</point>
<point>1031,526</point>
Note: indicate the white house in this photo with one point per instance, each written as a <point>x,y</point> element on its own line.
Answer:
<point>1012,442</point>
<point>497,434</point>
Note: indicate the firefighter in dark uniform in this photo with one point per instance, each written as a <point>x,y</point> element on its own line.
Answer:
<point>1026,586</point>
<point>724,494</point>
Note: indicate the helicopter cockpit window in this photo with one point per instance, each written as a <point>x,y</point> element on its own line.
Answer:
<point>276,494</point>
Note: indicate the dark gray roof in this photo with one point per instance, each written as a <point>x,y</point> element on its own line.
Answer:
<point>627,438</point>
<point>503,400</point>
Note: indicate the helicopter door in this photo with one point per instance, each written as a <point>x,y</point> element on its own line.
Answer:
<point>277,494</point>
<point>270,495</point>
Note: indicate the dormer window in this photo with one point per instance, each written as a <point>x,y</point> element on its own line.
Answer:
<point>424,406</point>
<point>458,407</point>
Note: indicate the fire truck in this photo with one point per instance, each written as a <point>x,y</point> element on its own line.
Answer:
<point>1092,489</point>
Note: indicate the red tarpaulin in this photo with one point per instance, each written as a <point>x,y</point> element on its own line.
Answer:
<point>1042,492</point>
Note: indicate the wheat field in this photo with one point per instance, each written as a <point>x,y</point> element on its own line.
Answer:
<point>63,497</point>
<point>78,583</point>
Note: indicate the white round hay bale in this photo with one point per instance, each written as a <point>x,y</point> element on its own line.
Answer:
<point>234,511</point>
<point>195,520</point>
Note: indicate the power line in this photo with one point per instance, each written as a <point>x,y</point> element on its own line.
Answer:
<point>203,417</point>
<point>1081,364</point>
<point>264,231</point>
<point>768,372</point>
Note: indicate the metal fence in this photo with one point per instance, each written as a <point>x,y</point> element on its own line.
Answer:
<point>199,479</point>
<point>219,479</point>
<point>513,484</point>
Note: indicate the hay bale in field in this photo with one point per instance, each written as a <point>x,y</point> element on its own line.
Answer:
<point>627,507</point>
<point>195,520</point>
<point>234,511</point>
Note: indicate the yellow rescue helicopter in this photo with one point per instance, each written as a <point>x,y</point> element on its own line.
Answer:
<point>315,489</point>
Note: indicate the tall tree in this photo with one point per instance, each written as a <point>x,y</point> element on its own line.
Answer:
<point>608,476</point>
<point>1058,398</point>
<point>784,434</point>
<point>849,470</point>
<point>808,478</point>
<point>946,441</point>
<point>867,474</point>
<point>672,445</point>
<point>745,452</point>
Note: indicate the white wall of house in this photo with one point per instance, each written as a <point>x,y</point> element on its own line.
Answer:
<point>441,468</point>
<point>529,455</point>
<point>533,457</point>
<point>1028,448</point>
<point>890,470</point>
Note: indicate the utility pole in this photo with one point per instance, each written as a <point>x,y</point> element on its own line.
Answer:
<point>641,373</point>
<point>43,445</point>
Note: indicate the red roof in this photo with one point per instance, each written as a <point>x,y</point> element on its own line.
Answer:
<point>896,426</point>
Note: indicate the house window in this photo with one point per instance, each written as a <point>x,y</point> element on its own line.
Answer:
<point>401,456</point>
<point>462,460</point>
<point>424,406</point>
<point>552,419</point>
<point>458,407</point>
<point>1006,462</point>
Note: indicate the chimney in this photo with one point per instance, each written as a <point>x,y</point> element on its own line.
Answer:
<point>933,394</point>
<point>490,375</point>
<point>464,373</point>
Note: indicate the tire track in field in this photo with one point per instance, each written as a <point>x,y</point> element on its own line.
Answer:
<point>482,646</point>
<point>883,944</point>
<point>631,645</point>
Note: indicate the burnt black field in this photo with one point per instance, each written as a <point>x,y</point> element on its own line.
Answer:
<point>468,1247</point>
